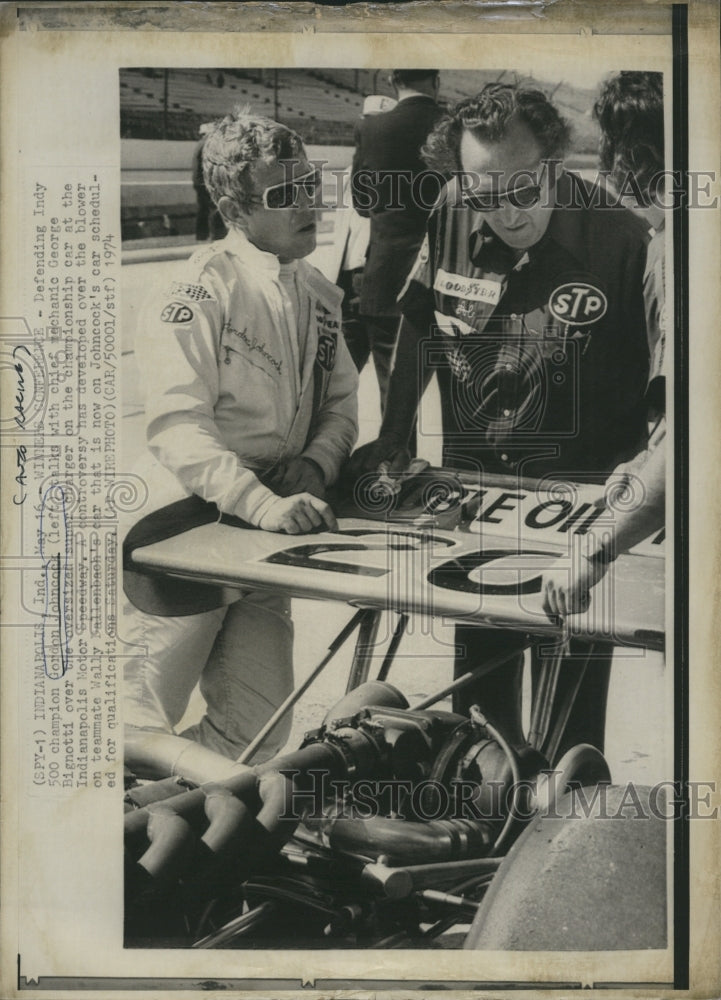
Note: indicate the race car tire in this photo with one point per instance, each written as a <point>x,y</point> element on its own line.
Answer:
<point>589,875</point>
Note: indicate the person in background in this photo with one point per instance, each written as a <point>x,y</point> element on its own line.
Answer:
<point>630,113</point>
<point>208,220</point>
<point>252,407</point>
<point>352,235</point>
<point>386,163</point>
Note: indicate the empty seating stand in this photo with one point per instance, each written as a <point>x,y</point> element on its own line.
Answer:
<point>153,107</point>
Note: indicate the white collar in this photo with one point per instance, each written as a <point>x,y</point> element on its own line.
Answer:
<point>238,243</point>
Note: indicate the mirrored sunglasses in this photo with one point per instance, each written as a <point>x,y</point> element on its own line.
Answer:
<point>490,201</point>
<point>287,194</point>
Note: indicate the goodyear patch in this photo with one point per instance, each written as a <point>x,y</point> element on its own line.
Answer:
<point>577,302</point>
<point>176,312</point>
<point>462,287</point>
<point>196,293</point>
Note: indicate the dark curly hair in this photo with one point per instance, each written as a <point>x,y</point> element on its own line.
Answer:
<point>630,113</point>
<point>487,116</point>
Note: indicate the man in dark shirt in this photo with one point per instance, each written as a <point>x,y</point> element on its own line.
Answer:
<point>386,164</point>
<point>543,356</point>
<point>527,299</point>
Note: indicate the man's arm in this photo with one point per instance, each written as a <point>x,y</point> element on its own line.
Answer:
<point>336,422</point>
<point>407,385</point>
<point>181,355</point>
<point>632,526</point>
<point>336,431</point>
<point>181,428</point>
<point>409,377</point>
<point>566,590</point>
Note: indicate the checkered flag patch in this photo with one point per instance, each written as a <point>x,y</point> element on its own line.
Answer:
<point>196,293</point>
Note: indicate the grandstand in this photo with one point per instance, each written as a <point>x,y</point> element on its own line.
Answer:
<point>322,104</point>
<point>172,104</point>
<point>161,111</point>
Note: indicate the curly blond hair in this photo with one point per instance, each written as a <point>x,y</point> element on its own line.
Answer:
<point>238,141</point>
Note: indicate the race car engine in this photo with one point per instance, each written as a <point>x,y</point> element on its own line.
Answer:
<point>381,821</point>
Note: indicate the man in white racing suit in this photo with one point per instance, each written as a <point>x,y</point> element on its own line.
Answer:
<point>251,406</point>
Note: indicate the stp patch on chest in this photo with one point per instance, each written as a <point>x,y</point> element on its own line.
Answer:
<point>577,302</point>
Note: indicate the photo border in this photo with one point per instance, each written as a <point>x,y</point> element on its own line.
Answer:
<point>681,941</point>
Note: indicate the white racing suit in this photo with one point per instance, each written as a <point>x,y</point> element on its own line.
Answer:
<point>237,382</point>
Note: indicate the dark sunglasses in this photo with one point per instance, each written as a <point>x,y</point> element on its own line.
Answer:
<point>287,194</point>
<point>491,201</point>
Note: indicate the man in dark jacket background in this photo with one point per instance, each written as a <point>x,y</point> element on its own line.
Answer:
<point>388,187</point>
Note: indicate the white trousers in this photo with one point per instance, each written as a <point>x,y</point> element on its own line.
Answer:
<point>241,654</point>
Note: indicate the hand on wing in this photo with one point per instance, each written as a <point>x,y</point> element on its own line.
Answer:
<point>298,514</point>
<point>384,455</point>
<point>566,589</point>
